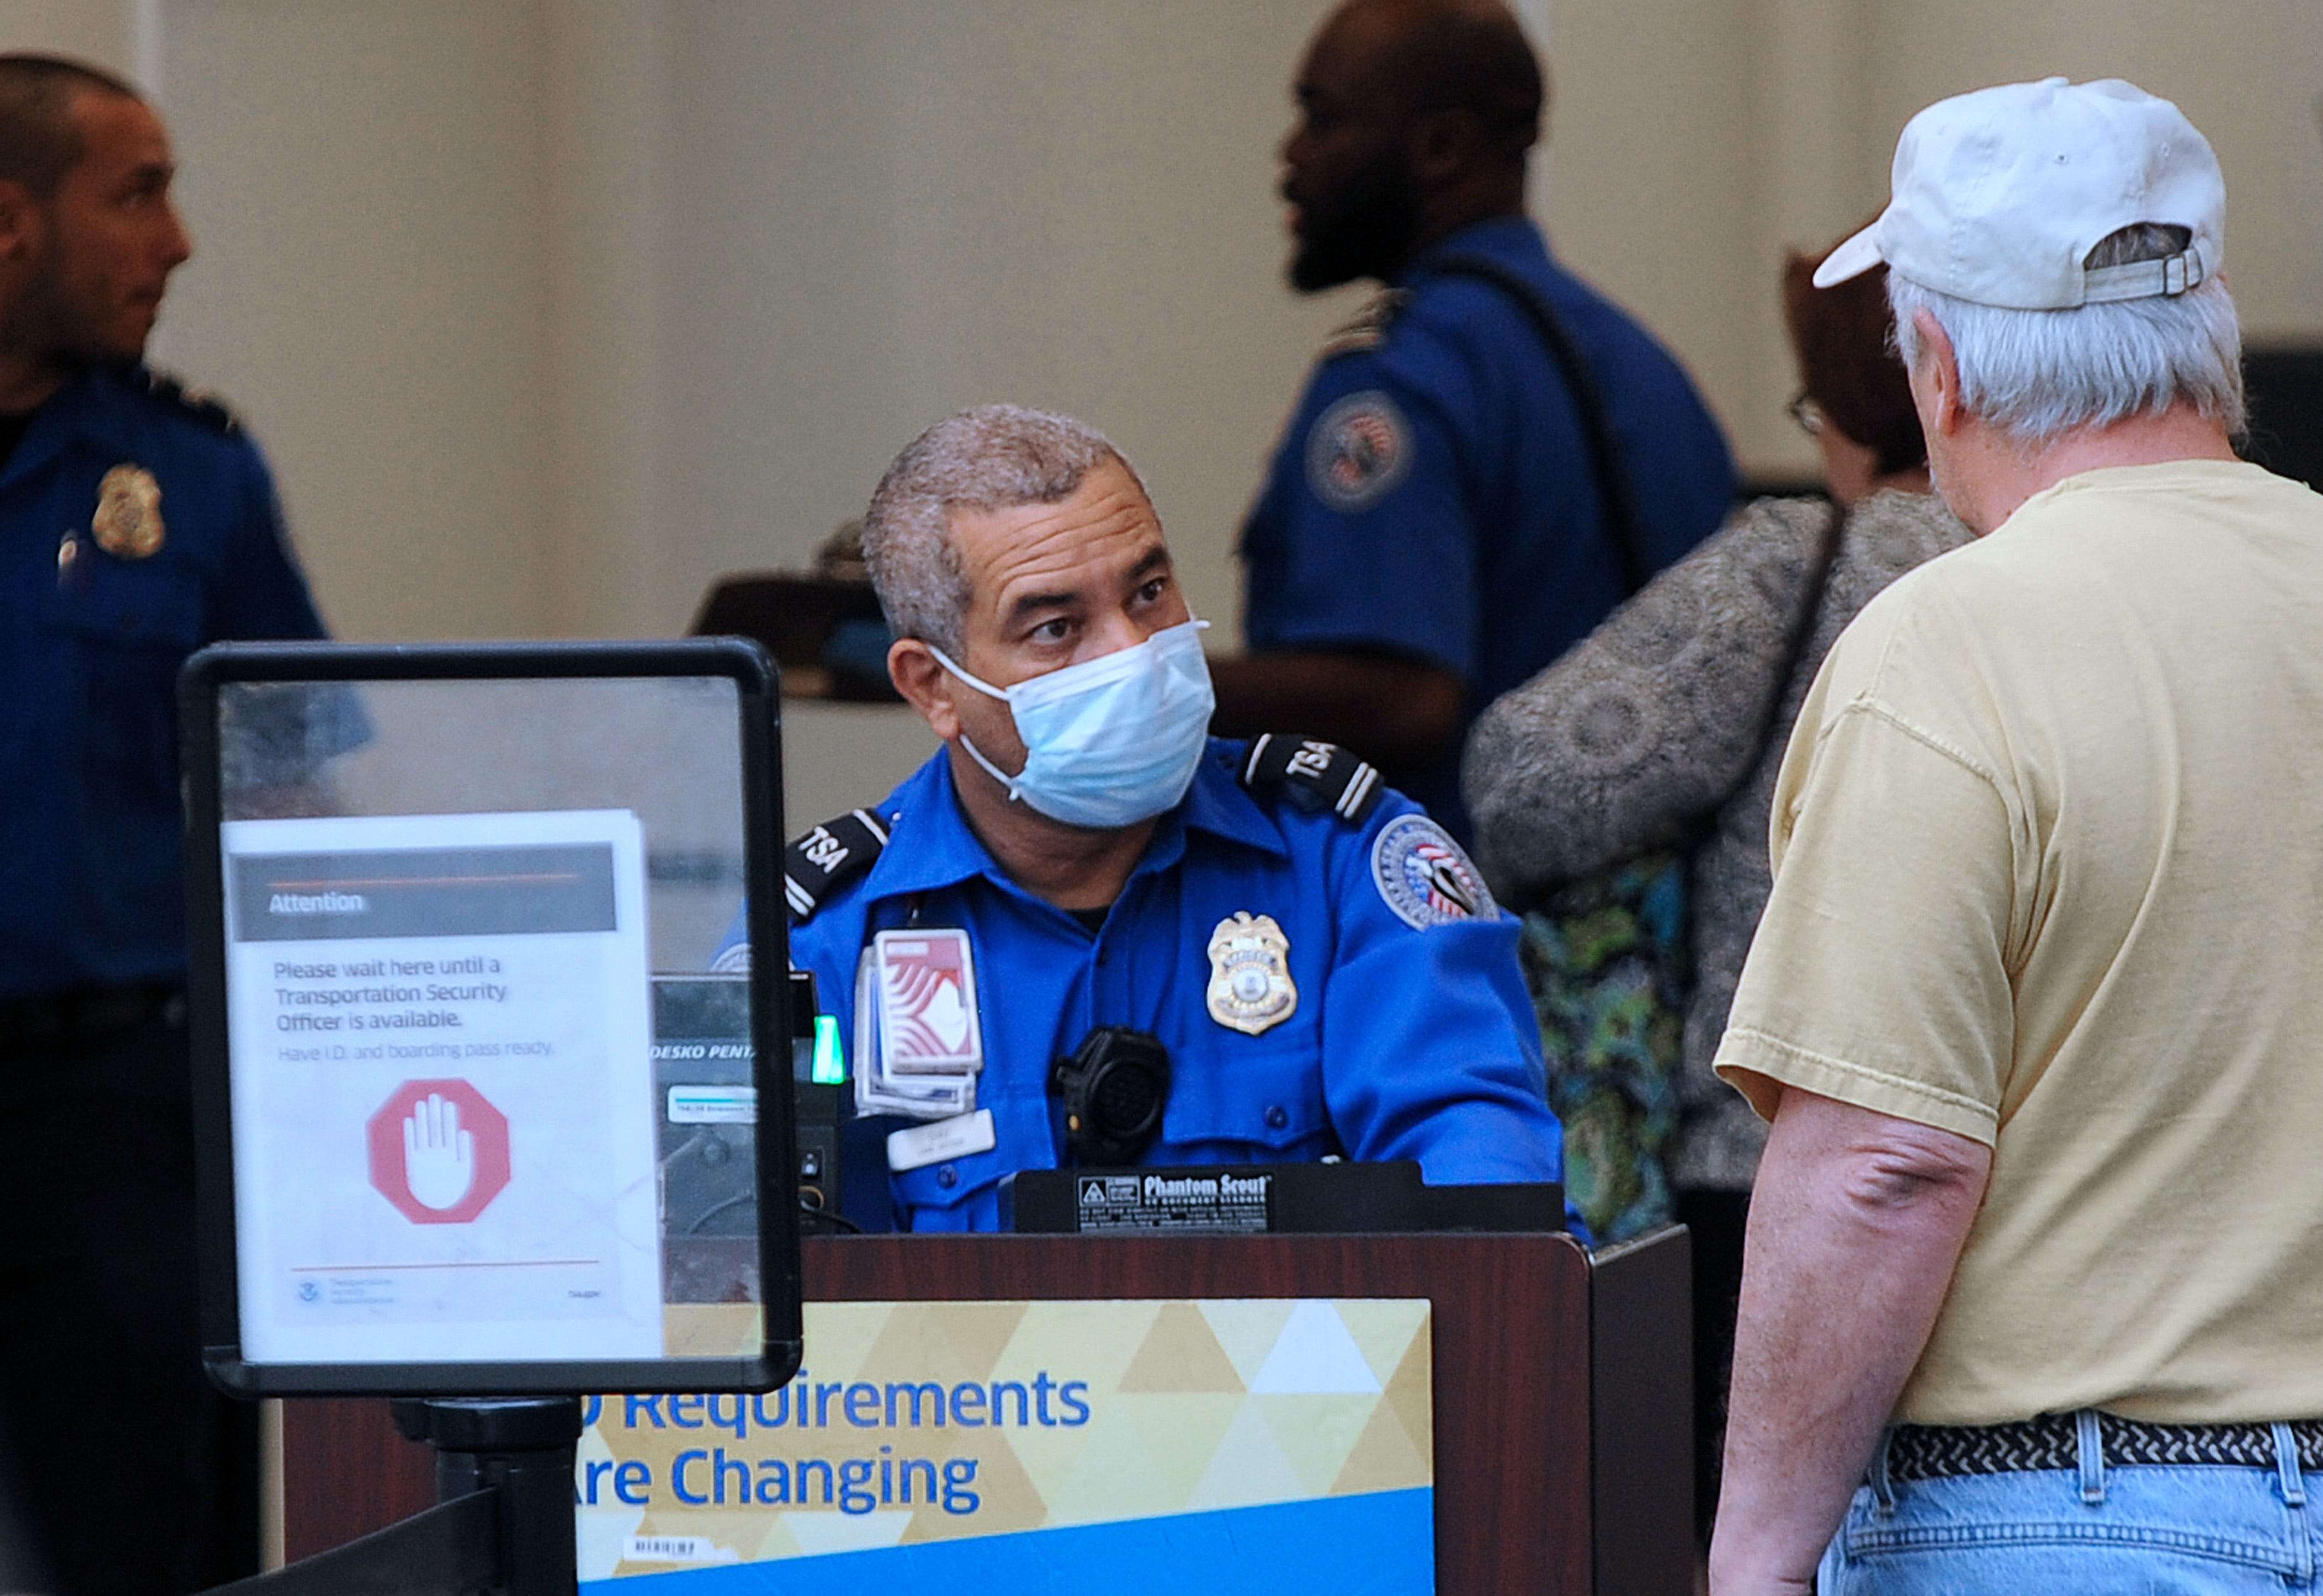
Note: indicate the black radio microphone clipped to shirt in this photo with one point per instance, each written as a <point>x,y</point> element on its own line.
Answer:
<point>1115,1087</point>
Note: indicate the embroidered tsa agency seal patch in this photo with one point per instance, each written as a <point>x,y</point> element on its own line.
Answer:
<point>1357,450</point>
<point>128,521</point>
<point>1250,982</point>
<point>1425,878</point>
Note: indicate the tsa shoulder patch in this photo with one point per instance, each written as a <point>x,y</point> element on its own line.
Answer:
<point>200,404</point>
<point>1369,328</point>
<point>1357,450</point>
<point>827,855</point>
<point>1314,775</point>
<point>1425,878</point>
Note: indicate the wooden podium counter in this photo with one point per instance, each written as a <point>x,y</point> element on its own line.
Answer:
<point>1563,1391</point>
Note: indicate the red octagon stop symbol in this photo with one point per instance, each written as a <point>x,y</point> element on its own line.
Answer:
<point>439,1152</point>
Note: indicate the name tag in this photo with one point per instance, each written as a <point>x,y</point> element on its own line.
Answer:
<point>918,1146</point>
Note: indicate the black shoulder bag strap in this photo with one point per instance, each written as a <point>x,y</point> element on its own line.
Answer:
<point>1795,649</point>
<point>1620,506</point>
<point>1613,490</point>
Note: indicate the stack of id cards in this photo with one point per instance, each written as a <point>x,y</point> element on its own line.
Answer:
<point>918,1044</point>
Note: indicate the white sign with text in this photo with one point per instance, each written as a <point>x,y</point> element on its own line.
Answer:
<point>444,1108</point>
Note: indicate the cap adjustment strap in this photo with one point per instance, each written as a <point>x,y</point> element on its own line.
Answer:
<point>2144,279</point>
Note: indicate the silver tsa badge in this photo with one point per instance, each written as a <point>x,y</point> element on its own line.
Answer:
<point>128,521</point>
<point>1250,977</point>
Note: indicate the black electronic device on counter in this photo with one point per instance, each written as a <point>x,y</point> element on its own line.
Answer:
<point>1259,1200</point>
<point>821,1107</point>
<point>702,1062</point>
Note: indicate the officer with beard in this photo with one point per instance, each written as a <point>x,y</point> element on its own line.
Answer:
<point>1435,527</point>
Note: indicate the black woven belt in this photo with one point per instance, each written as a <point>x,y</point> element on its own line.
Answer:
<point>1928,1451</point>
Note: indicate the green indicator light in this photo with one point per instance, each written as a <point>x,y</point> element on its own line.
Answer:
<point>829,1068</point>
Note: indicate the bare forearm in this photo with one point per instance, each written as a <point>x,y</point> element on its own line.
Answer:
<point>1857,1221</point>
<point>1390,710</point>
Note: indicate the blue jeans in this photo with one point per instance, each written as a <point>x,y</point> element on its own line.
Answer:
<point>2144,1528</point>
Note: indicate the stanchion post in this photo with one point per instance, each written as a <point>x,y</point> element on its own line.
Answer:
<point>522,1447</point>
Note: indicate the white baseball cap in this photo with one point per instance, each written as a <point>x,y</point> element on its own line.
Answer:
<point>2000,195</point>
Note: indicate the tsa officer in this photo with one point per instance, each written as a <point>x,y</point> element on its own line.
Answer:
<point>137,523</point>
<point>1318,965</point>
<point>1434,528</point>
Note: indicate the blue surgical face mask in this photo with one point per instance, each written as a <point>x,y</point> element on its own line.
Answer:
<point>1112,740</point>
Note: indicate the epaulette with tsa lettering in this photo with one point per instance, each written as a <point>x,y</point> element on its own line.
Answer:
<point>202,405</point>
<point>1370,326</point>
<point>834,851</point>
<point>1315,777</point>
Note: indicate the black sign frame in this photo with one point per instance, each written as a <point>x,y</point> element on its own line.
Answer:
<point>758,733</point>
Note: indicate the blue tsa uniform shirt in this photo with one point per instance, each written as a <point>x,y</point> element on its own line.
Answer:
<point>1433,496</point>
<point>1392,1023</point>
<point>136,524</point>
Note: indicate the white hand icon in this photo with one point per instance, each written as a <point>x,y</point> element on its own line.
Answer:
<point>439,1158</point>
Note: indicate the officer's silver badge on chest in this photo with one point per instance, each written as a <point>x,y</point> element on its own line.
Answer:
<point>1250,974</point>
<point>128,521</point>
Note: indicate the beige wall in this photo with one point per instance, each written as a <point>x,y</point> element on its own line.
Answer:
<point>365,185</point>
<point>1649,168</point>
<point>867,225</point>
<point>550,310</point>
<point>100,30</point>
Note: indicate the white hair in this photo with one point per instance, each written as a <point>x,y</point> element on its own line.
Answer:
<point>2035,375</point>
<point>992,457</point>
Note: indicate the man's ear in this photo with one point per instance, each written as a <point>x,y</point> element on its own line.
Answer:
<point>1442,144</point>
<point>926,684</point>
<point>1940,372</point>
<point>21,220</point>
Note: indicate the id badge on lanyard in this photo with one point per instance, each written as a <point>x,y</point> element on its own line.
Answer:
<point>919,1043</point>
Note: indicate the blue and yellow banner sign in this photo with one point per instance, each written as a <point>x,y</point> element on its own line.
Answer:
<point>1141,1446</point>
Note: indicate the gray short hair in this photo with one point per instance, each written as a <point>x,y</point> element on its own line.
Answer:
<point>992,457</point>
<point>2035,375</point>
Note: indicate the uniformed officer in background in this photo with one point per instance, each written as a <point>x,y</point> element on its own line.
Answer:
<point>1323,967</point>
<point>137,523</point>
<point>1437,525</point>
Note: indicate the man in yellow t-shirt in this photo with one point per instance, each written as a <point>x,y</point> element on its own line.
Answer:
<point>2034,1291</point>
